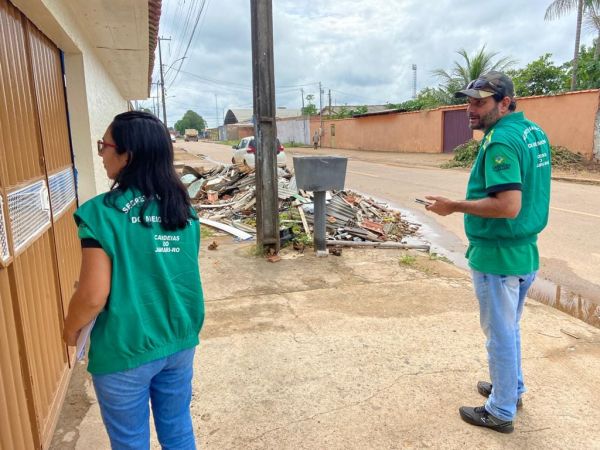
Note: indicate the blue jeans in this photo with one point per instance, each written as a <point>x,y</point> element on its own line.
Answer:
<point>124,396</point>
<point>501,300</point>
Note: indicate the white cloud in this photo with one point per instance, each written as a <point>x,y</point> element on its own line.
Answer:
<point>362,50</point>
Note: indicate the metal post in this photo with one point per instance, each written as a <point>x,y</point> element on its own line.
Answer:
<point>263,83</point>
<point>414,68</point>
<point>319,223</point>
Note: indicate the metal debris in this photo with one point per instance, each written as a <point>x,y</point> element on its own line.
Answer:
<point>224,197</point>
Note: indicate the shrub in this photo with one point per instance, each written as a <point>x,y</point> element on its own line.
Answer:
<point>465,155</point>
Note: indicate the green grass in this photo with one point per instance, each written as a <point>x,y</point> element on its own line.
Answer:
<point>230,142</point>
<point>408,260</point>
<point>437,257</point>
<point>206,232</point>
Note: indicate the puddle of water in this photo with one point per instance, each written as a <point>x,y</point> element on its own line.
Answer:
<point>563,299</point>
<point>543,290</point>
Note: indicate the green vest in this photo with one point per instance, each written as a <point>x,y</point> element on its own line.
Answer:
<point>513,154</point>
<point>155,307</point>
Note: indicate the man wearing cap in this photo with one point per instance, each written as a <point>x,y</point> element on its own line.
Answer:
<point>506,206</point>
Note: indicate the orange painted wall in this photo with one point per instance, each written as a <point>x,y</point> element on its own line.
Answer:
<point>419,131</point>
<point>568,119</point>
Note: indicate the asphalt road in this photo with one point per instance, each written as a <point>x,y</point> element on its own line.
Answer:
<point>569,246</point>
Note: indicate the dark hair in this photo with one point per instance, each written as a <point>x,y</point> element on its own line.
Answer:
<point>150,168</point>
<point>512,105</point>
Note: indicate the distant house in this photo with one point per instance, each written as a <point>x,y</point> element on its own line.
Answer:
<point>234,116</point>
<point>340,108</point>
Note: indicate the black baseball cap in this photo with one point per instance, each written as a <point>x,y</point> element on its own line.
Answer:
<point>491,83</point>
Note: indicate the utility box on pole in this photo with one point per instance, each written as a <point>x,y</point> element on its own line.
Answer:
<point>320,174</point>
<point>265,129</point>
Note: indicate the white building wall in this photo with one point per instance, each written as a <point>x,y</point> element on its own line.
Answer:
<point>295,130</point>
<point>92,97</point>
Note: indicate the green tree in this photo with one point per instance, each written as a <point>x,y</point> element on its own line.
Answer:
<point>559,8</point>
<point>310,109</point>
<point>588,69</point>
<point>592,23</point>
<point>470,68</point>
<point>346,111</point>
<point>540,77</point>
<point>427,98</point>
<point>190,119</point>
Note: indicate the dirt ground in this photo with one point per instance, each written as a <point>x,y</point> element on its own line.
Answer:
<point>374,349</point>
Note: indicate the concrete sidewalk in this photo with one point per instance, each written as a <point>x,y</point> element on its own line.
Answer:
<point>370,350</point>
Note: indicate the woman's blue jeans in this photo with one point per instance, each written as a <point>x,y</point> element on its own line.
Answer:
<point>501,299</point>
<point>124,396</point>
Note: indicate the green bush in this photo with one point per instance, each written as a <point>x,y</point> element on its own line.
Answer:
<point>562,157</point>
<point>465,155</point>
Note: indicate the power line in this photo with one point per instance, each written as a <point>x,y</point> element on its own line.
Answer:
<point>187,48</point>
<point>358,96</point>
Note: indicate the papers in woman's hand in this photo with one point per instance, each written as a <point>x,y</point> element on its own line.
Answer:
<point>84,335</point>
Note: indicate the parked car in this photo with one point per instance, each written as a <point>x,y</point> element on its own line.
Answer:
<point>173,137</point>
<point>244,152</point>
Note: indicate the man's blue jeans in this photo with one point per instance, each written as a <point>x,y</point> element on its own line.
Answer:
<point>501,299</point>
<point>124,396</point>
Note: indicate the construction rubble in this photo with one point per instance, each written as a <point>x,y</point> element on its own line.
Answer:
<point>225,198</point>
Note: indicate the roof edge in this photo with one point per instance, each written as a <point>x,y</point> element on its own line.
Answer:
<point>154,10</point>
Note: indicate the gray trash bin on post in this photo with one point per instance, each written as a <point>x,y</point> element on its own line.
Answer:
<point>320,174</point>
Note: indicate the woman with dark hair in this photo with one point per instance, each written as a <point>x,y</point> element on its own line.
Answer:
<point>140,279</point>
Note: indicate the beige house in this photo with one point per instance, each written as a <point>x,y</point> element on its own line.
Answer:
<point>66,68</point>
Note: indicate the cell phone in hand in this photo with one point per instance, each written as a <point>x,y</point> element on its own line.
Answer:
<point>423,202</point>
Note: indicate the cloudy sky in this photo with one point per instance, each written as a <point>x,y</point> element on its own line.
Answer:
<point>361,50</point>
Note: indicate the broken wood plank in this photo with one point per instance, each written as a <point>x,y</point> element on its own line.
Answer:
<point>398,245</point>
<point>241,235</point>
<point>304,222</point>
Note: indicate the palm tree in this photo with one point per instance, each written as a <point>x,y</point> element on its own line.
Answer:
<point>559,8</point>
<point>471,68</point>
<point>592,23</point>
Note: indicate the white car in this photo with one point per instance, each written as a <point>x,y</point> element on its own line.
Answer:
<point>244,153</point>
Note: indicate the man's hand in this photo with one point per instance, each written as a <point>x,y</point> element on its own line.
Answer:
<point>441,205</point>
<point>70,337</point>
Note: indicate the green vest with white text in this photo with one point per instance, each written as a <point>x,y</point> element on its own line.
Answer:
<point>513,155</point>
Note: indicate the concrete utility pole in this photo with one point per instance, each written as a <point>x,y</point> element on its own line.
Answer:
<point>162,79</point>
<point>329,112</point>
<point>157,100</point>
<point>216,111</point>
<point>263,86</point>
<point>320,114</point>
<point>305,138</point>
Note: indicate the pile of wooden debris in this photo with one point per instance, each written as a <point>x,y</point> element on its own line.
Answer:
<point>225,198</point>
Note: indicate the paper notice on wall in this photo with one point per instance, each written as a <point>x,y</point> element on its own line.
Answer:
<point>83,338</point>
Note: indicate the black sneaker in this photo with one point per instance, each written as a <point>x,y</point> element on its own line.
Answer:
<point>478,416</point>
<point>485,389</point>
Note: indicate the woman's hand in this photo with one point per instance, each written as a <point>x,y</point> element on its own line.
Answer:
<point>91,294</point>
<point>70,336</point>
